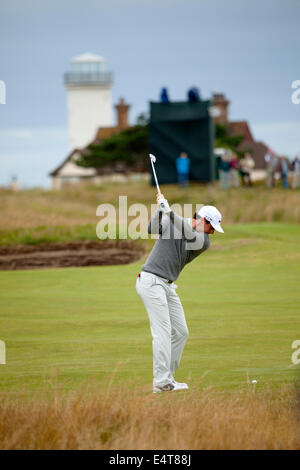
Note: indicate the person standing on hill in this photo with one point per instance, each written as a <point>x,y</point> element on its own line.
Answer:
<point>183,169</point>
<point>296,173</point>
<point>234,173</point>
<point>247,165</point>
<point>284,166</point>
<point>224,171</point>
<point>193,95</point>
<point>271,165</point>
<point>180,242</point>
<point>164,96</point>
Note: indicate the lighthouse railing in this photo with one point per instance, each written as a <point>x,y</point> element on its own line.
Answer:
<point>81,78</point>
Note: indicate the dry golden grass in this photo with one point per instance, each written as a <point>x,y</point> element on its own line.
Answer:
<point>77,205</point>
<point>127,417</point>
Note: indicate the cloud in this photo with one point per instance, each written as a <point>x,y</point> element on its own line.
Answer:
<point>16,134</point>
<point>283,137</point>
<point>27,133</point>
<point>30,154</point>
<point>33,6</point>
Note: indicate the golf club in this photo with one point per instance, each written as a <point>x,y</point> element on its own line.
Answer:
<point>153,160</point>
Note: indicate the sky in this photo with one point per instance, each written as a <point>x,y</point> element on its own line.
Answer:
<point>247,49</point>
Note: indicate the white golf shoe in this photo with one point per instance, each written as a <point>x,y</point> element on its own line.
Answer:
<point>171,387</point>
<point>180,385</point>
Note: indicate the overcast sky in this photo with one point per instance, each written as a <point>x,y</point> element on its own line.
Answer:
<point>248,49</point>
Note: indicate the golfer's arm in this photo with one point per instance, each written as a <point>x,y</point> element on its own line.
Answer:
<point>186,229</point>
<point>158,223</point>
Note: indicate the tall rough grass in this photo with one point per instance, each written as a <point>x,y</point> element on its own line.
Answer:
<point>129,417</point>
<point>77,205</point>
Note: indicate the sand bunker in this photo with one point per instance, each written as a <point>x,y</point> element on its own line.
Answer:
<point>58,255</point>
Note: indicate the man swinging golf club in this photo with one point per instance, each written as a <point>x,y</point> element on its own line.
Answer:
<point>180,241</point>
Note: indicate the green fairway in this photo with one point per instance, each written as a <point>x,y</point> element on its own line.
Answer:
<point>241,299</point>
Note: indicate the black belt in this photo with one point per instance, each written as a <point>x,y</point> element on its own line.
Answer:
<point>168,280</point>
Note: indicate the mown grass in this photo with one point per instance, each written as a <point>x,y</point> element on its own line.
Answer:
<point>241,300</point>
<point>66,329</point>
<point>61,234</point>
<point>44,234</point>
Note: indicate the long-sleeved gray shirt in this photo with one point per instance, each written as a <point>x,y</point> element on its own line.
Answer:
<point>177,245</point>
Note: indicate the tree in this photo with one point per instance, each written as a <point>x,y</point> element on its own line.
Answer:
<point>142,119</point>
<point>129,147</point>
<point>224,140</point>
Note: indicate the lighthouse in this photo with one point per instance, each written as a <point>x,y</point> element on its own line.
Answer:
<point>88,85</point>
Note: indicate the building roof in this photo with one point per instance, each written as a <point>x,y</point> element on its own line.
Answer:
<point>240,128</point>
<point>102,133</point>
<point>87,57</point>
<point>56,170</point>
<point>71,157</point>
<point>258,151</point>
<point>105,133</point>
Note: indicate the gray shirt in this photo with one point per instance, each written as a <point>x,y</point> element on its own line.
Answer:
<point>177,245</point>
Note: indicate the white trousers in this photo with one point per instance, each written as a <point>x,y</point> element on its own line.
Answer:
<point>167,323</point>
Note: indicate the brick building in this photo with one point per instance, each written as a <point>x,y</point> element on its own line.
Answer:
<point>257,149</point>
<point>69,172</point>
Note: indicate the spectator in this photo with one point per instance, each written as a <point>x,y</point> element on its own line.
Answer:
<point>14,186</point>
<point>193,95</point>
<point>183,169</point>
<point>224,171</point>
<point>164,97</point>
<point>271,164</point>
<point>234,174</point>
<point>284,169</point>
<point>296,173</point>
<point>246,166</point>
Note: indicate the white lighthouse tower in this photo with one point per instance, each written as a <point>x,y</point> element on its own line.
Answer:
<point>89,98</point>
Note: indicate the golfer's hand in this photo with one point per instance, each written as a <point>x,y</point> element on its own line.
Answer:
<point>163,203</point>
<point>159,197</point>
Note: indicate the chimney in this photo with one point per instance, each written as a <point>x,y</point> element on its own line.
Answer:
<point>122,114</point>
<point>220,102</point>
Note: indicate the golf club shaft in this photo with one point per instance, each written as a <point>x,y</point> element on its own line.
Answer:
<point>154,173</point>
<point>157,185</point>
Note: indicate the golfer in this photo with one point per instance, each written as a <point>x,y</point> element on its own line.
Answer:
<point>180,241</point>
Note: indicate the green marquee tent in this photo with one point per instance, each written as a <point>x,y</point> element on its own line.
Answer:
<point>182,127</point>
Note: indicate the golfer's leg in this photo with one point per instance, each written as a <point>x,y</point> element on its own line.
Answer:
<point>155,301</point>
<point>179,329</point>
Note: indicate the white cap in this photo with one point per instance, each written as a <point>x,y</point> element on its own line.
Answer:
<point>212,215</point>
